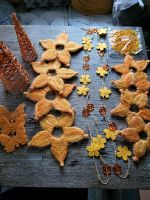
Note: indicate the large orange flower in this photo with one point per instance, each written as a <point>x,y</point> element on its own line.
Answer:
<point>59,145</point>
<point>59,49</point>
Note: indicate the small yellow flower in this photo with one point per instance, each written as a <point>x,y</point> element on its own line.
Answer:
<point>85,79</point>
<point>123,152</point>
<point>105,92</point>
<point>83,90</point>
<point>101,71</point>
<point>86,40</point>
<point>93,150</point>
<point>102,31</point>
<point>110,134</point>
<point>101,46</point>
<point>88,47</point>
<point>99,141</point>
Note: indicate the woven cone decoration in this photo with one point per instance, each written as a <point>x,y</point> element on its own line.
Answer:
<point>27,49</point>
<point>14,77</point>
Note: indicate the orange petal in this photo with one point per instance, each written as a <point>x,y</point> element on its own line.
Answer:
<point>42,108</point>
<point>21,134</point>
<point>145,114</point>
<point>3,111</point>
<point>128,61</point>
<point>40,81</point>
<point>66,120</point>
<point>126,97</point>
<point>141,100</point>
<point>64,57</point>
<point>139,150</point>
<point>68,88</point>
<point>72,47</point>
<point>37,94</point>
<point>120,84</point>
<point>62,38</point>
<point>130,134</point>
<point>142,64</point>
<point>59,149</point>
<point>74,134</point>
<point>147,129</point>
<point>120,68</point>
<point>137,123</point>
<point>47,44</point>
<point>120,111</point>
<point>143,86</point>
<point>40,67</point>
<point>66,73</point>
<point>48,122</point>
<point>5,126</point>
<point>56,84</point>
<point>40,139</point>
<point>49,55</point>
<point>62,105</point>
<point>53,65</point>
<point>7,142</point>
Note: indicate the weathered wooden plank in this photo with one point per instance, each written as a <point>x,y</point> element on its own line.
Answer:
<point>37,168</point>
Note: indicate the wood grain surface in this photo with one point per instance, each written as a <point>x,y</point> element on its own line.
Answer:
<point>31,167</point>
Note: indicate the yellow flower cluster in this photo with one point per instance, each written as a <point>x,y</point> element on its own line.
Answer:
<point>84,90</point>
<point>96,145</point>
<point>87,44</point>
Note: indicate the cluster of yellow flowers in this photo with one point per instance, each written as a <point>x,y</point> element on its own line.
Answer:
<point>83,90</point>
<point>98,143</point>
<point>87,44</point>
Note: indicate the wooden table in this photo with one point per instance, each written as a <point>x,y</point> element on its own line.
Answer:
<point>37,168</point>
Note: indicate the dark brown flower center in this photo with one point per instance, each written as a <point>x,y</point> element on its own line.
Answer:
<point>133,69</point>
<point>50,96</point>
<point>59,47</point>
<point>134,108</point>
<point>143,135</point>
<point>132,88</point>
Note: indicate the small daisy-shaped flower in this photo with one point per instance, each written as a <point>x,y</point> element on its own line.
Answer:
<point>101,46</point>
<point>88,46</point>
<point>102,31</point>
<point>100,141</point>
<point>93,150</point>
<point>86,40</point>
<point>123,152</point>
<point>105,92</point>
<point>110,134</point>
<point>85,79</point>
<point>83,90</point>
<point>101,71</point>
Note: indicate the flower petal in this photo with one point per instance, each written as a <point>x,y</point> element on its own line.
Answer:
<point>66,119</point>
<point>147,129</point>
<point>40,67</point>
<point>62,105</point>
<point>72,46</point>
<point>127,97</point>
<point>59,149</point>
<point>37,94</point>
<point>49,122</point>
<point>141,100</point>
<point>49,55</point>
<point>7,142</point>
<point>120,69</point>
<point>56,84</point>
<point>73,134</point>
<point>4,112</point>
<point>139,149</point>
<point>40,81</point>
<point>5,126</point>
<point>64,57</point>
<point>136,122</point>
<point>42,108</point>
<point>47,44</point>
<point>62,38</point>
<point>130,134</point>
<point>142,64</point>
<point>66,73</point>
<point>41,139</point>
<point>145,114</point>
<point>68,88</point>
<point>120,110</point>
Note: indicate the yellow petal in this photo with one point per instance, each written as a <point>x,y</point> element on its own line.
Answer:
<point>48,122</point>
<point>66,73</point>
<point>66,119</point>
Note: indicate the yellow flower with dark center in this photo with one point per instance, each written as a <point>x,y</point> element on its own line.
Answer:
<point>100,141</point>
<point>101,71</point>
<point>93,150</point>
<point>86,40</point>
<point>85,79</point>
<point>123,152</point>
<point>105,92</point>
<point>110,134</point>
<point>101,46</point>
<point>83,90</point>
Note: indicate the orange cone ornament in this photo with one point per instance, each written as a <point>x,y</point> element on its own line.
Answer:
<point>27,49</point>
<point>14,77</point>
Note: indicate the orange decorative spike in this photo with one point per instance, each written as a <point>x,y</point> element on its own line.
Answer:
<point>27,49</point>
<point>14,77</point>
